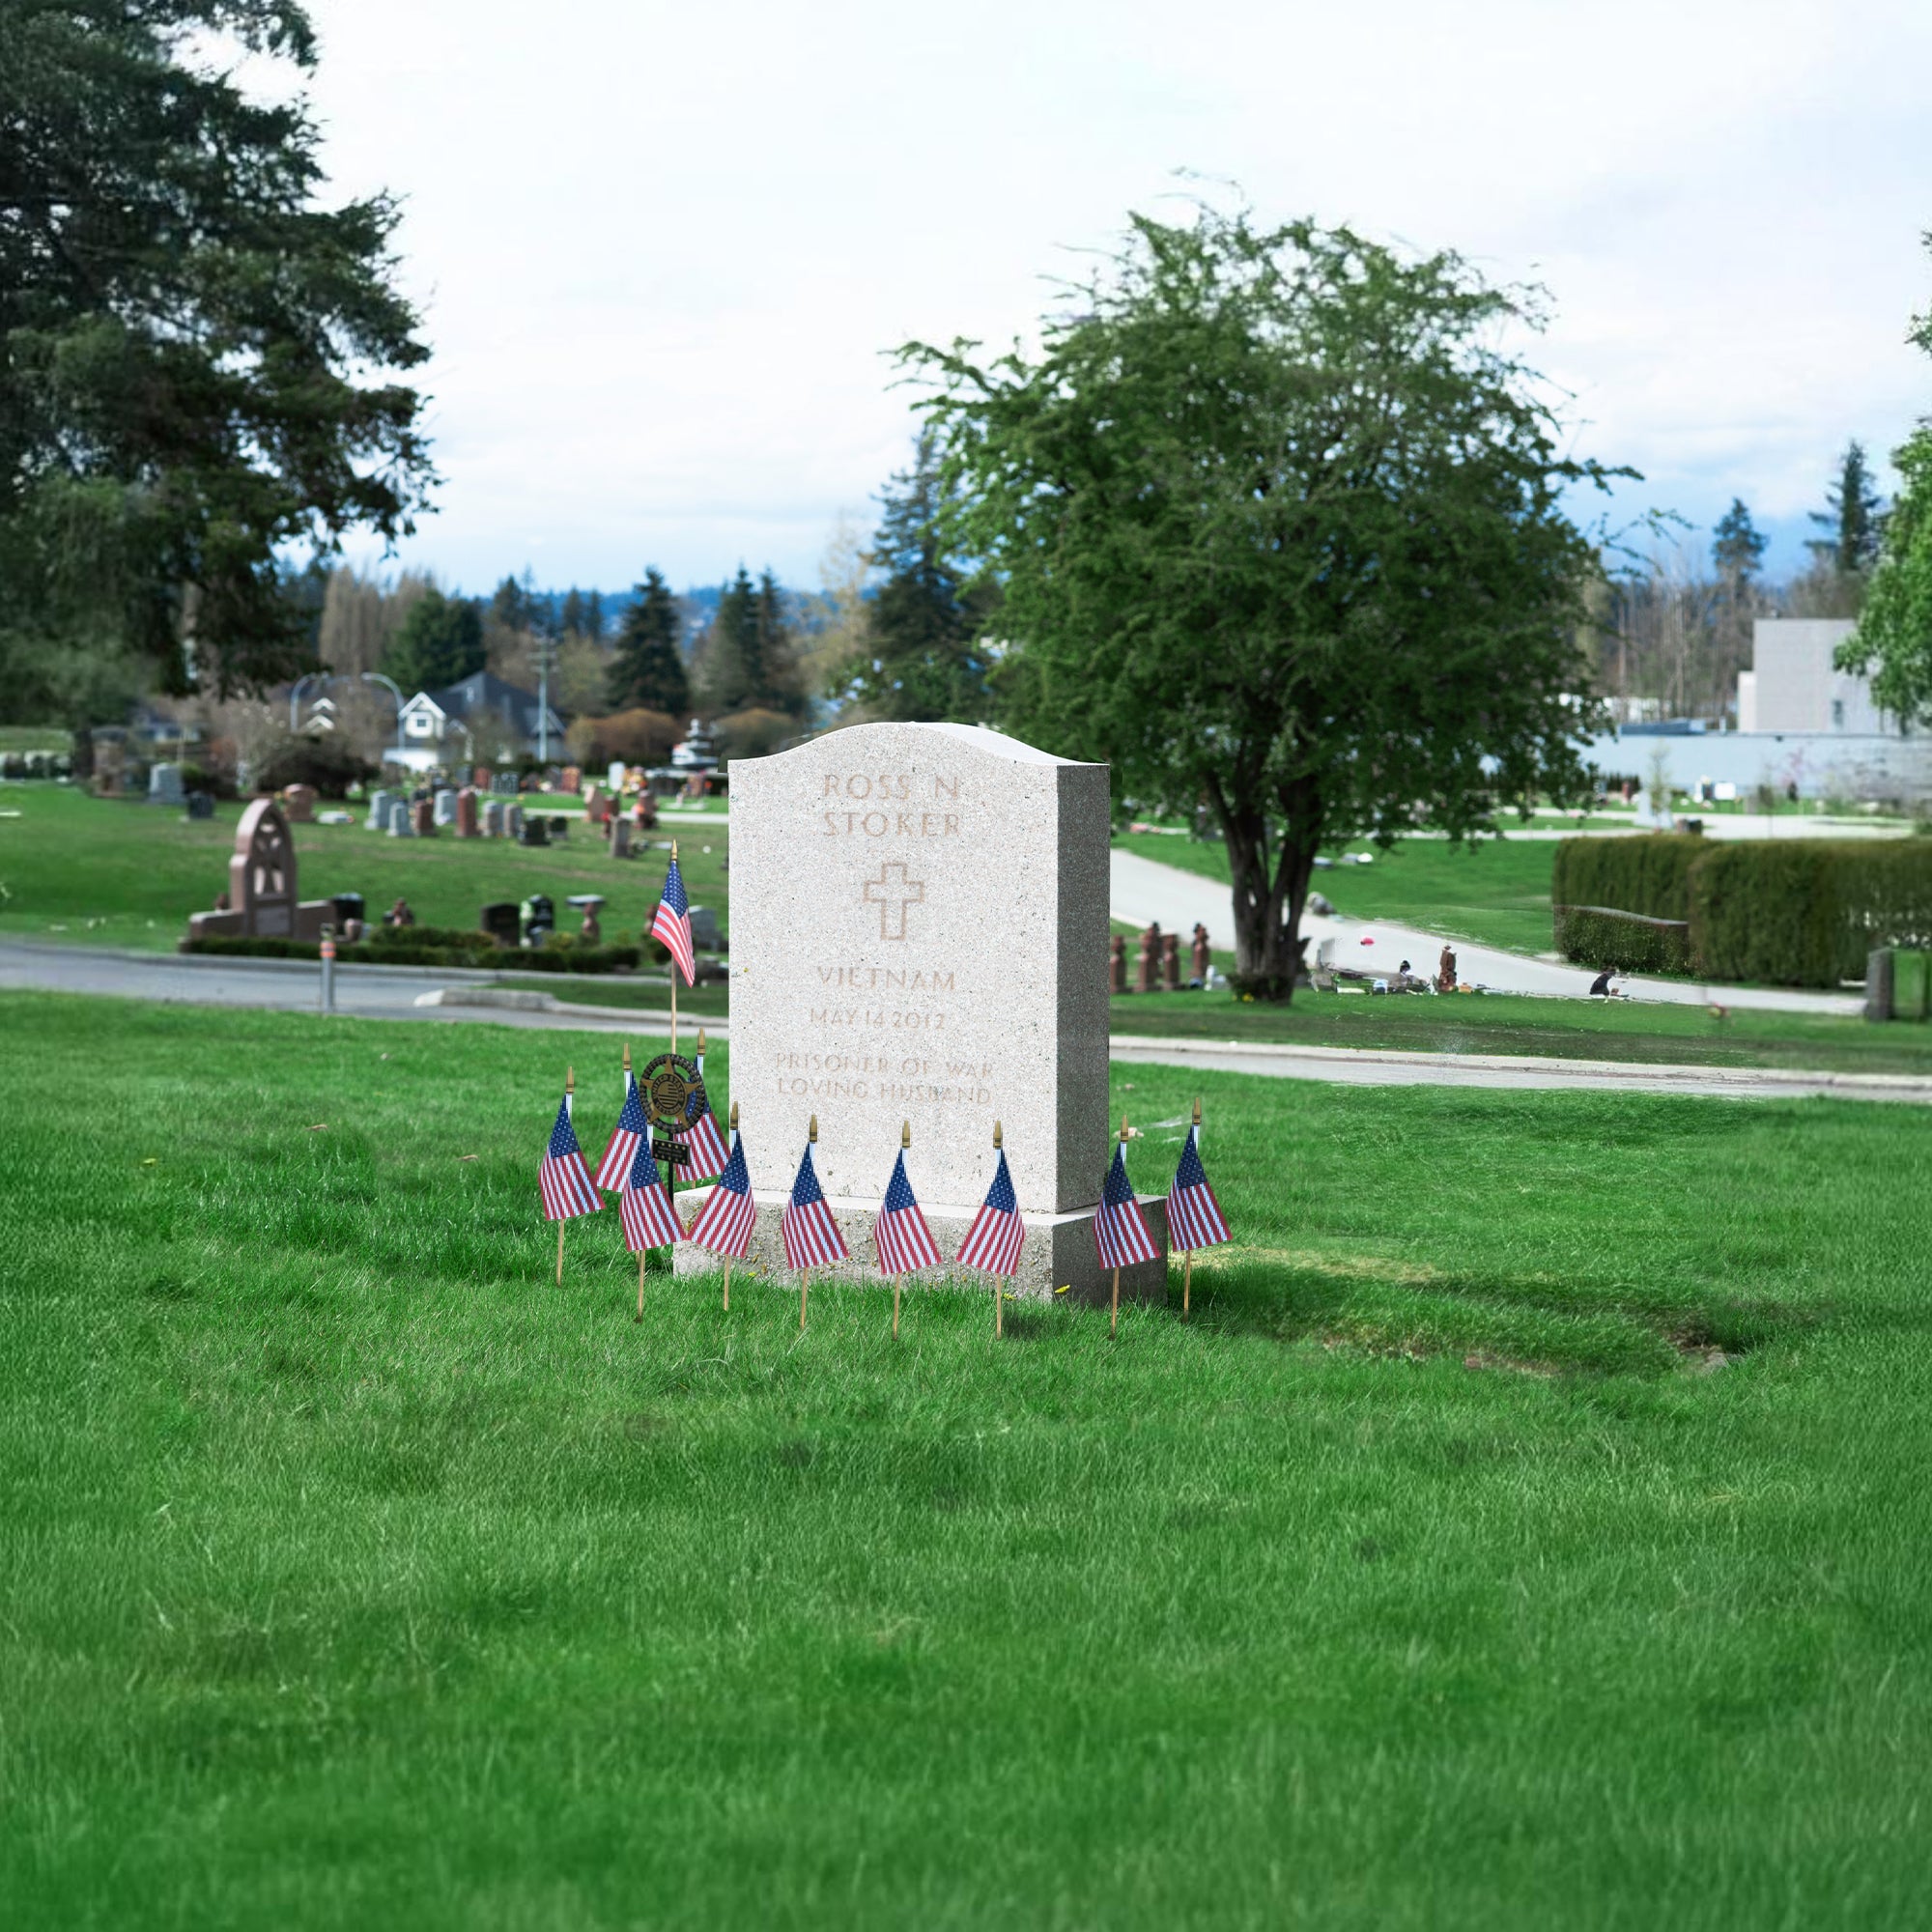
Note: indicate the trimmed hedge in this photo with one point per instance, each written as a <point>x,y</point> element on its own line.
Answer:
<point>480,950</point>
<point>1800,912</point>
<point>1606,892</point>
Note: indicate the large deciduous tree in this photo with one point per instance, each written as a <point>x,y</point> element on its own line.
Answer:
<point>187,343</point>
<point>1280,524</point>
<point>1893,640</point>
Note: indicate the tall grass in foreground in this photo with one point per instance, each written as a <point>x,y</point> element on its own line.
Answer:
<point>352,1574</point>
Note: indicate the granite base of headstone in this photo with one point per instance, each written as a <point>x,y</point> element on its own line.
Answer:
<point>933,859</point>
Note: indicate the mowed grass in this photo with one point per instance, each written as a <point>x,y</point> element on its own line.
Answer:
<point>1624,1030</point>
<point>1497,894</point>
<point>353,1575</point>
<point>122,873</point>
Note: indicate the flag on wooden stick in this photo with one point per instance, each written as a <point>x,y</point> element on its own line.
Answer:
<point>563,1180</point>
<point>994,1240</point>
<point>903,1240</point>
<point>699,1134</point>
<point>1194,1217</point>
<point>810,1234</point>
<point>1120,1229</point>
<point>632,1131</point>
<point>723,1224</point>
<point>670,923</point>
<point>644,1207</point>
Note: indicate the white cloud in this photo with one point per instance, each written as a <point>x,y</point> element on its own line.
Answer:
<point>663,248</point>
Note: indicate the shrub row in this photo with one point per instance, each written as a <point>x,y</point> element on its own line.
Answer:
<point>405,949</point>
<point>1802,912</point>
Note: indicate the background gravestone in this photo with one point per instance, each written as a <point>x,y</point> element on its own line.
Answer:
<point>164,786</point>
<point>379,810</point>
<point>704,934</point>
<point>445,807</point>
<point>492,818</point>
<point>513,819</point>
<point>298,803</point>
<point>423,817</point>
<point>466,813</point>
<point>400,826</point>
<point>919,916</point>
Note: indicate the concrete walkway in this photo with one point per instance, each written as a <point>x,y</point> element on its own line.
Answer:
<point>1142,889</point>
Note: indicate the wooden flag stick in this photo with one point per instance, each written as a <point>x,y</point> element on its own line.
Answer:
<point>673,973</point>
<point>999,1281</point>
<point>905,1141</point>
<point>728,1283</point>
<point>1114,1322</point>
<point>1187,1265</point>
<point>803,1290</point>
<point>640,1284</point>
<point>569,1098</point>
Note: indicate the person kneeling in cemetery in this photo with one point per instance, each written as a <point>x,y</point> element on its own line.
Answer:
<point>1601,987</point>
<point>398,914</point>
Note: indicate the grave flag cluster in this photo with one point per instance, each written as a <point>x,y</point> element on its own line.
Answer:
<point>902,1239</point>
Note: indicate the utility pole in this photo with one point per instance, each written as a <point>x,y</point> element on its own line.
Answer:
<point>543,701</point>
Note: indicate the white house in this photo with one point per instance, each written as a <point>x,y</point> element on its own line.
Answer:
<point>480,720</point>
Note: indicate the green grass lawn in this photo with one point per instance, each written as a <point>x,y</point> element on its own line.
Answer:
<point>650,995</point>
<point>352,1575</point>
<point>1632,1030</point>
<point>1497,894</point>
<point>122,873</point>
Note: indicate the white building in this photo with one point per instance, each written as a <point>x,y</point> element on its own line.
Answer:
<point>1791,685</point>
<point>481,720</point>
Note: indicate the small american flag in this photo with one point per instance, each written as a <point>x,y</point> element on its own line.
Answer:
<point>632,1130</point>
<point>723,1224</point>
<point>1194,1217</point>
<point>644,1207</point>
<point>699,1134</point>
<point>811,1235</point>
<point>563,1180</point>
<point>1120,1229</point>
<point>993,1241</point>
<point>903,1240</point>
<point>672,921</point>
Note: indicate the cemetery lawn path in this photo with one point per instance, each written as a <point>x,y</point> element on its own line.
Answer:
<point>1497,894</point>
<point>122,873</point>
<point>1530,1528</point>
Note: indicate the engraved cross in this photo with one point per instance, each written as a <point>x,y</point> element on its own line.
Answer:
<point>891,891</point>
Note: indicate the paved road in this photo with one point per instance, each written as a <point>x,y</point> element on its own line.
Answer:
<point>1143,889</point>
<point>426,993</point>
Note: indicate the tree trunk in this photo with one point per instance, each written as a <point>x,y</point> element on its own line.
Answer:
<point>1270,887</point>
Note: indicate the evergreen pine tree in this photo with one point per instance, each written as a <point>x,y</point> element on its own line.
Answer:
<point>779,686</point>
<point>918,659</point>
<point>441,643</point>
<point>593,616</point>
<point>1854,517</point>
<point>509,607</point>
<point>572,624</point>
<point>1737,547</point>
<point>648,669</point>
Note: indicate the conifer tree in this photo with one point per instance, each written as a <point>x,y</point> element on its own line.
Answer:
<point>648,669</point>
<point>918,657</point>
<point>1854,517</point>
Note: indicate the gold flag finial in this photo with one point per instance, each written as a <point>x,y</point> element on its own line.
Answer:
<point>734,1116</point>
<point>905,1133</point>
<point>700,1048</point>
<point>673,851</point>
<point>811,1132</point>
<point>996,1133</point>
<point>570,1080</point>
<point>1123,1126</point>
<point>1197,1110</point>
<point>626,1056</point>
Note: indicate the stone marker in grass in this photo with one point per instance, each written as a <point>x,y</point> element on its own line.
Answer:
<point>918,922</point>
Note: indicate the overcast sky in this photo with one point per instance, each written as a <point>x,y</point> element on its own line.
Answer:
<point>661,249</point>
